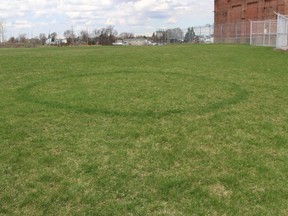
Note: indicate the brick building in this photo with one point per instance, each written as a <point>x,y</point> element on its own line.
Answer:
<point>230,12</point>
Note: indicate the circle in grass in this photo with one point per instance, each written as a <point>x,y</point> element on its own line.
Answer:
<point>135,93</point>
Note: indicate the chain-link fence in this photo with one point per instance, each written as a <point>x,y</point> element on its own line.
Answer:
<point>232,33</point>
<point>259,33</point>
<point>195,34</point>
<point>263,33</point>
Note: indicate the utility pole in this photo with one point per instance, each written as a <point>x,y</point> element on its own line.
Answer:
<point>49,38</point>
<point>87,35</point>
<point>72,35</point>
<point>1,32</point>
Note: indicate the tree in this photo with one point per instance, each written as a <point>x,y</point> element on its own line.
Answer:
<point>84,36</point>
<point>22,38</point>
<point>190,36</point>
<point>161,36</point>
<point>42,38</point>
<point>53,36</point>
<point>154,37</point>
<point>107,35</point>
<point>95,37</point>
<point>175,35</point>
<point>70,36</point>
<point>12,40</point>
<point>126,35</point>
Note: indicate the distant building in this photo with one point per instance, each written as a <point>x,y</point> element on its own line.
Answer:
<point>138,41</point>
<point>120,43</point>
<point>58,40</point>
<point>243,11</point>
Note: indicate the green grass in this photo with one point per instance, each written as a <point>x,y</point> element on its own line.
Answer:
<point>171,130</point>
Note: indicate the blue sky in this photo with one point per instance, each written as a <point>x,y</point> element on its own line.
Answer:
<point>33,17</point>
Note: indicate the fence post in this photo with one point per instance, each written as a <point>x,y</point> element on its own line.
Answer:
<point>263,41</point>
<point>278,31</point>
<point>251,29</point>
<point>221,33</point>
<point>236,32</point>
<point>269,34</point>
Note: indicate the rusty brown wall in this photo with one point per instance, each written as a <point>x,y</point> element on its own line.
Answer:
<point>230,11</point>
<point>235,11</point>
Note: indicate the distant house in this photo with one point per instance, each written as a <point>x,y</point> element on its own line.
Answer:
<point>137,41</point>
<point>140,41</point>
<point>58,40</point>
<point>120,43</point>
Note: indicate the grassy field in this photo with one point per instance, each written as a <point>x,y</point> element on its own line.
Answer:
<point>168,130</point>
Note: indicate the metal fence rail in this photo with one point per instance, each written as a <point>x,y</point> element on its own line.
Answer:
<point>263,33</point>
<point>232,33</point>
<point>259,33</point>
<point>282,32</point>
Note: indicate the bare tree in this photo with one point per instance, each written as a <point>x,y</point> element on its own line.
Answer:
<point>126,35</point>
<point>53,36</point>
<point>70,36</point>
<point>12,40</point>
<point>84,36</point>
<point>175,35</point>
<point>161,36</point>
<point>154,37</point>
<point>22,38</point>
<point>42,38</point>
<point>107,35</point>
<point>95,36</point>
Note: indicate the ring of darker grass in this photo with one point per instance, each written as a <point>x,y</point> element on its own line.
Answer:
<point>239,95</point>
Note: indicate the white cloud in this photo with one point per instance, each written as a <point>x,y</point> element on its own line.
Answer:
<point>22,24</point>
<point>171,20</point>
<point>125,15</point>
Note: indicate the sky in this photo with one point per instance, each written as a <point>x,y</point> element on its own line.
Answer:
<point>32,17</point>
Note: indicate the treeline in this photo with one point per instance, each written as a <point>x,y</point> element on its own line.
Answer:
<point>175,35</point>
<point>103,36</point>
